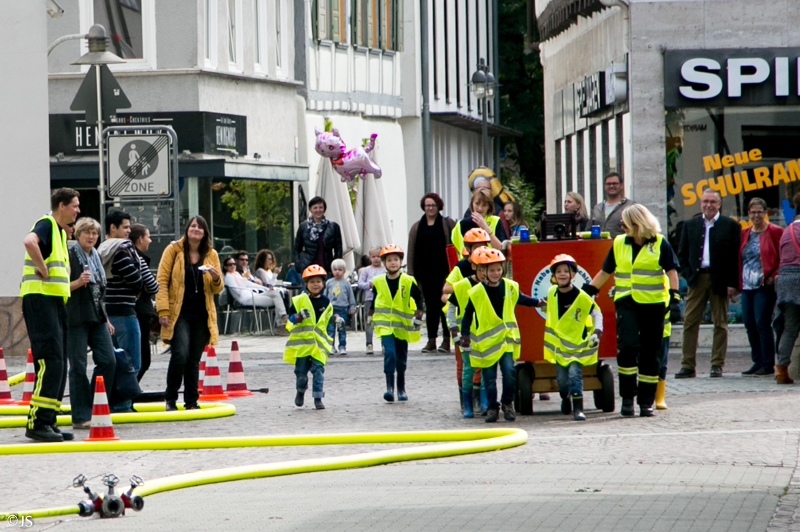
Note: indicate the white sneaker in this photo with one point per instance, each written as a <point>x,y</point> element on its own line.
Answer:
<point>342,352</point>
<point>369,349</point>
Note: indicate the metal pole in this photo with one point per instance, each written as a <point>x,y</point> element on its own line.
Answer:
<point>485,133</point>
<point>496,68</point>
<point>426,109</point>
<point>101,170</point>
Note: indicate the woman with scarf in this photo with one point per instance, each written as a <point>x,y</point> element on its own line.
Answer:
<point>88,322</point>
<point>427,263</point>
<point>318,240</point>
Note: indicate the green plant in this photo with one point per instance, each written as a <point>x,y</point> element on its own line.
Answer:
<point>259,203</point>
<point>525,194</point>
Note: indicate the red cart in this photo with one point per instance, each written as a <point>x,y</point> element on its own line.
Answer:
<point>530,267</point>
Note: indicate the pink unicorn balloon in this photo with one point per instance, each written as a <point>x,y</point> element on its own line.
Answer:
<point>350,163</point>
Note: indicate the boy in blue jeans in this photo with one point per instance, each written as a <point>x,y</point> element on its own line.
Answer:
<point>573,328</point>
<point>397,316</point>
<point>309,344</point>
<point>340,293</point>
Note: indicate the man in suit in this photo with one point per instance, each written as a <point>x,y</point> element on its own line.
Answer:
<point>708,254</point>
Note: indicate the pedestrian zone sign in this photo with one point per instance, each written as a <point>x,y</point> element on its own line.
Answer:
<point>138,165</point>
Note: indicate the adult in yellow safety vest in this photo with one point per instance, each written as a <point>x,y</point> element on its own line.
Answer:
<point>639,260</point>
<point>572,331</point>
<point>309,344</point>
<point>489,331</point>
<point>481,216</point>
<point>396,318</point>
<point>468,377</point>
<point>44,291</point>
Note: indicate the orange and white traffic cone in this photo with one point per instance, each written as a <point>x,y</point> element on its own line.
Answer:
<point>202,373</point>
<point>5,389</point>
<point>236,387</point>
<point>212,385</point>
<point>102,428</point>
<point>30,381</point>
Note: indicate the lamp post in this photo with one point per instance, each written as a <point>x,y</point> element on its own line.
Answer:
<point>482,87</point>
<point>96,57</point>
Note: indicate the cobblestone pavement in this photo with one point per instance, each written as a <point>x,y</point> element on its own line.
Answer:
<point>723,457</point>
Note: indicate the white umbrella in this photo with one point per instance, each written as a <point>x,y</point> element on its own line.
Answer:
<point>335,193</point>
<point>372,215</point>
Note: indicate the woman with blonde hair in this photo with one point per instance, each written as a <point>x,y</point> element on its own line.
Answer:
<point>480,215</point>
<point>573,202</point>
<point>640,260</point>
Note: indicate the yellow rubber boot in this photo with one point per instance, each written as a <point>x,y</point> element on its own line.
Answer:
<point>660,404</point>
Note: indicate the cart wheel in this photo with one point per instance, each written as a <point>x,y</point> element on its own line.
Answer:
<point>604,397</point>
<point>524,395</point>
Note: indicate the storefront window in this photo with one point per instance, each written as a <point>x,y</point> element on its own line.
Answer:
<point>741,152</point>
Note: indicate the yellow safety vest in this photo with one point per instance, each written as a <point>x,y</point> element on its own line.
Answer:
<point>563,337</point>
<point>454,276</point>
<point>643,278</point>
<point>58,283</point>
<point>458,239</point>
<point>308,338</point>
<point>393,316</point>
<point>492,337</point>
<point>461,291</point>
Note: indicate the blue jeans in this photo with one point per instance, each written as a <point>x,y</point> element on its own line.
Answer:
<point>395,355</point>
<point>302,366</point>
<point>338,311</point>
<point>570,379</point>
<point>757,307</point>
<point>129,338</point>
<point>81,390</point>
<point>368,304</point>
<point>489,376</point>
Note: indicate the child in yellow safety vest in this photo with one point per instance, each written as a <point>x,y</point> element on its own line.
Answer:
<point>463,269</point>
<point>309,344</point>
<point>572,332</point>
<point>457,303</point>
<point>396,318</point>
<point>489,331</point>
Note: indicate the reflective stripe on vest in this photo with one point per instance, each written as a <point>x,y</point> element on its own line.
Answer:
<point>393,315</point>
<point>643,278</point>
<point>461,291</point>
<point>457,238</point>
<point>307,338</point>
<point>57,263</point>
<point>492,336</point>
<point>563,337</point>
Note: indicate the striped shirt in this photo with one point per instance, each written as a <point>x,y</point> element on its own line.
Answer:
<point>129,275</point>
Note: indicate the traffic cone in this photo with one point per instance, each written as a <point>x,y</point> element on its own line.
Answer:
<point>5,389</point>
<point>236,387</point>
<point>30,381</point>
<point>102,429</point>
<point>212,385</point>
<point>202,373</point>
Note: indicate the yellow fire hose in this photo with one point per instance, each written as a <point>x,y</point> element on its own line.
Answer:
<point>145,413</point>
<point>16,379</point>
<point>461,442</point>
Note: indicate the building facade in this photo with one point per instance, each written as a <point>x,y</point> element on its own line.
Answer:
<point>677,96</point>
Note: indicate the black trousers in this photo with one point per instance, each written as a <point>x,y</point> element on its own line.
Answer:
<point>144,328</point>
<point>188,340</point>
<point>46,320</point>
<point>640,330</point>
<point>432,294</point>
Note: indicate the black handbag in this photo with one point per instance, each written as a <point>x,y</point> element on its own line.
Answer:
<point>126,383</point>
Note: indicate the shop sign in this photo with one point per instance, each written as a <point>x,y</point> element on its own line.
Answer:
<point>732,77</point>
<point>746,180</point>
<point>590,93</point>
<point>198,131</point>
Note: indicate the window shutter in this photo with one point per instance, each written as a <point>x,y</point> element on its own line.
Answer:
<point>336,15</point>
<point>322,19</point>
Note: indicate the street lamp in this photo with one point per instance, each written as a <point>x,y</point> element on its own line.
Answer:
<point>98,56</point>
<point>482,87</point>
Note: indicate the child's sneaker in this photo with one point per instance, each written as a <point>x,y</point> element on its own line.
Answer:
<point>508,412</point>
<point>491,416</point>
<point>369,349</point>
<point>342,352</point>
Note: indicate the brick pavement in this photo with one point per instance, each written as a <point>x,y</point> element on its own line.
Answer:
<point>719,459</point>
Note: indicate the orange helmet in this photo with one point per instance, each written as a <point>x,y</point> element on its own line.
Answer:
<point>392,249</point>
<point>476,236</point>
<point>464,252</point>
<point>314,270</point>
<point>485,256</point>
<point>563,258</point>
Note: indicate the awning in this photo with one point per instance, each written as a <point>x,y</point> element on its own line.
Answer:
<point>473,124</point>
<point>85,169</point>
